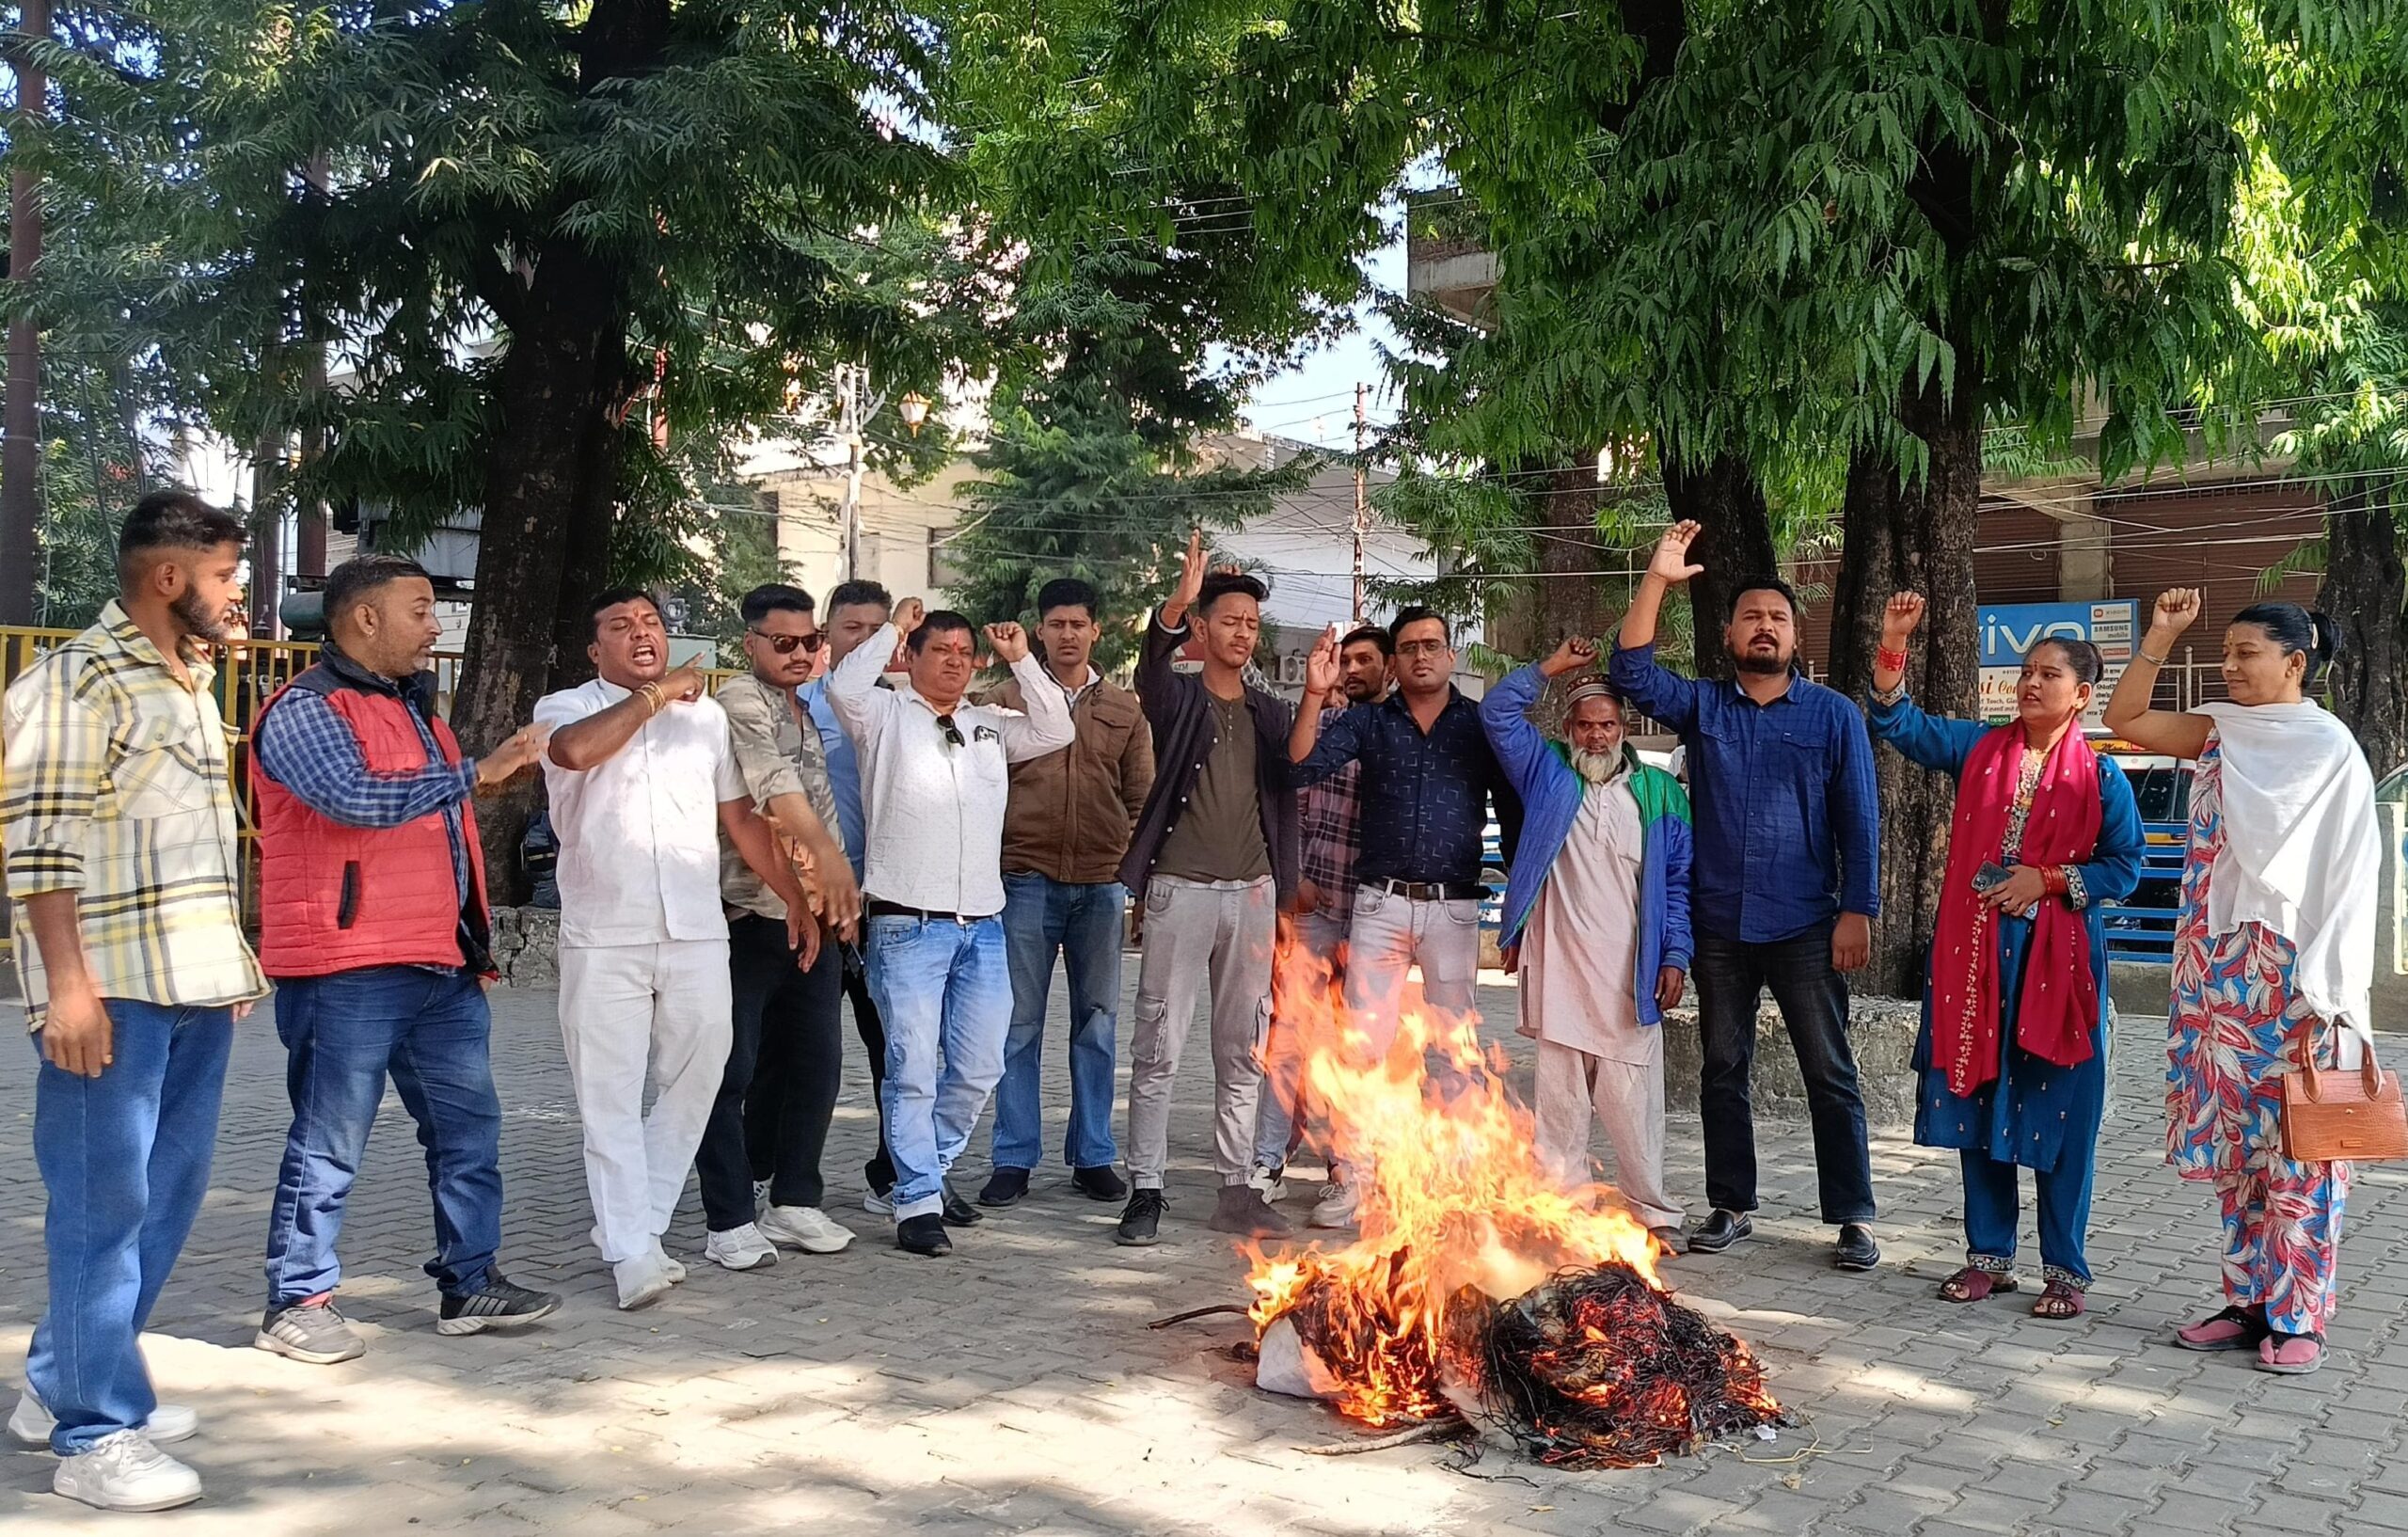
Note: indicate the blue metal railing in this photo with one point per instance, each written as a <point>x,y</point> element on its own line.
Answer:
<point>2141,927</point>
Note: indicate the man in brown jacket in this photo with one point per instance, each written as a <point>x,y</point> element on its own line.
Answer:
<point>1065,833</point>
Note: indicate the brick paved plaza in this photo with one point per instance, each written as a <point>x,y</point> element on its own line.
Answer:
<point>1015,1388</point>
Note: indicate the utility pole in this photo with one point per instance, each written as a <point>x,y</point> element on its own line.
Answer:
<point>310,517</point>
<point>20,417</point>
<point>849,426</point>
<point>1362,502</point>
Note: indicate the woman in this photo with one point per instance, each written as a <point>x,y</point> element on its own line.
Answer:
<point>2013,1049</point>
<point>2273,956</point>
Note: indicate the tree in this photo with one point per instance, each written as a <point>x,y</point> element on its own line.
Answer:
<point>562,258</point>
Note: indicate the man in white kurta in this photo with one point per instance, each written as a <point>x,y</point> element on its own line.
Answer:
<point>1579,1000</point>
<point>642,778</point>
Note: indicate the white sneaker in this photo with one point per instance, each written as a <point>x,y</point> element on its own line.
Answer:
<point>30,1422</point>
<point>642,1282</point>
<point>740,1248</point>
<point>806,1227</point>
<point>125,1472</point>
<point>1264,1181</point>
<point>672,1266</point>
<point>1336,1207</point>
<point>877,1205</point>
<point>760,1193</point>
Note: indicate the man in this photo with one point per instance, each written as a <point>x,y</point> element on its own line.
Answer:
<point>1324,905</point>
<point>1597,914</point>
<point>124,881</point>
<point>856,611</point>
<point>935,780</point>
<point>1065,833</point>
<point>373,921</point>
<point>1786,885</point>
<point>777,997</point>
<point>1213,855</point>
<point>642,781</point>
<point>1430,775</point>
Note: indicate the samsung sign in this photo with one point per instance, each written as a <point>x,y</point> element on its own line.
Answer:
<point>2007,630</point>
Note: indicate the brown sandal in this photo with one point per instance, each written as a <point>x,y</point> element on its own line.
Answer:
<point>2060,1300</point>
<point>1973,1284</point>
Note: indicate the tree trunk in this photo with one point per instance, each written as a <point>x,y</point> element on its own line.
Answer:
<point>1569,596</point>
<point>1916,537</point>
<point>21,447</point>
<point>2366,591</point>
<point>1735,545</point>
<point>562,376</point>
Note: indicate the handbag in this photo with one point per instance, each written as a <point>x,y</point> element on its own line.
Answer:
<point>2334,1115</point>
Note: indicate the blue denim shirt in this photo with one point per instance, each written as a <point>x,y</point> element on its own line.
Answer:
<point>844,771</point>
<point>1424,798</point>
<point>1788,817</point>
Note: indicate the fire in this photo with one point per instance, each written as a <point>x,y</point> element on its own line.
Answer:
<point>1456,1209</point>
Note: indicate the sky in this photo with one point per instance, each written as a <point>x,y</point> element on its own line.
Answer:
<point>1313,402</point>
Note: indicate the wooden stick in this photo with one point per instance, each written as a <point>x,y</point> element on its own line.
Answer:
<point>1193,1313</point>
<point>1432,1430</point>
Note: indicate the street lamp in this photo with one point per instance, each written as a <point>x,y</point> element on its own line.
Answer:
<point>915,407</point>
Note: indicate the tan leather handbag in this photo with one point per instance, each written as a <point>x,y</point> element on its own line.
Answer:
<point>2330,1116</point>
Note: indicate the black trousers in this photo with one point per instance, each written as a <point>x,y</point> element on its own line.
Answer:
<point>1730,975</point>
<point>879,1170</point>
<point>785,1063</point>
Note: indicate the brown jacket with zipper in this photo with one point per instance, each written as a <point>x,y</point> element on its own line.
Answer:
<point>1070,811</point>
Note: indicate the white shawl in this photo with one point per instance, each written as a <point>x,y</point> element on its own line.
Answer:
<point>2301,851</point>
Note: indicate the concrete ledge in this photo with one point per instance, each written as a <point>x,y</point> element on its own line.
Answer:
<point>1881,1029</point>
<point>527,945</point>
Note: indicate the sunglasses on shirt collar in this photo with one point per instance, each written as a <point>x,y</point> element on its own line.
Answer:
<point>785,645</point>
<point>953,737</point>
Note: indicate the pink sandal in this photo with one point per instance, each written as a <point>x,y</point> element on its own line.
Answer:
<point>2291,1354</point>
<point>2235,1329</point>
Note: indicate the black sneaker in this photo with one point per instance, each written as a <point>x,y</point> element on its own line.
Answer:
<point>1143,1214</point>
<point>959,1212</point>
<point>1005,1187</point>
<point>1720,1230</point>
<point>1099,1183</point>
<point>496,1305</point>
<point>1856,1249</point>
<point>922,1235</point>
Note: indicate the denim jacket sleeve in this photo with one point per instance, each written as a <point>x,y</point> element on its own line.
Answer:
<point>1521,751</point>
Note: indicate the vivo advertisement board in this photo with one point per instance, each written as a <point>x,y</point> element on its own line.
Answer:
<point>2007,630</point>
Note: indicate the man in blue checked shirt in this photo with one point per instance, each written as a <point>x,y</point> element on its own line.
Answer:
<point>374,924</point>
<point>1784,890</point>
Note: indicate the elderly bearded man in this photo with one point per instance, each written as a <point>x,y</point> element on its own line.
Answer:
<point>1598,907</point>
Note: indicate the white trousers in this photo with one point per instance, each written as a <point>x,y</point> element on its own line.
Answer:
<point>1627,1099</point>
<point>625,1009</point>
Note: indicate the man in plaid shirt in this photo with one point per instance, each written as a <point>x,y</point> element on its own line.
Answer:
<point>1324,905</point>
<point>119,829</point>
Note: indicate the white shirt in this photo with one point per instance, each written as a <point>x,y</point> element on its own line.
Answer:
<point>639,832</point>
<point>935,811</point>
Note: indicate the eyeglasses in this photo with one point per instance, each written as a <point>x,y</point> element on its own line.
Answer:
<point>952,732</point>
<point>785,645</point>
<point>1420,648</point>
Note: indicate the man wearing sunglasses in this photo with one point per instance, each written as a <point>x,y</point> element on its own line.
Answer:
<point>935,782</point>
<point>786,1059</point>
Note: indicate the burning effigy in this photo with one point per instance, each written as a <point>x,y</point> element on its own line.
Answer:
<point>1478,1287</point>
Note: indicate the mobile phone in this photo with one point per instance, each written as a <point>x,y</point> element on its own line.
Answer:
<point>1991,877</point>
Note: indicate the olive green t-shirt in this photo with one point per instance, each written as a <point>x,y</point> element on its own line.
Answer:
<point>1219,834</point>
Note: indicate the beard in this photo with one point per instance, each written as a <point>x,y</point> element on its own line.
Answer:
<point>1762,666</point>
<point>199,619</point>
<point>1596,768</point>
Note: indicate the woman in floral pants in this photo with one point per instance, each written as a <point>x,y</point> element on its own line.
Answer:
<point>2274,958</point>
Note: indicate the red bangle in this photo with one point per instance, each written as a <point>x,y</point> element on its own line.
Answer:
<point>1893,661</point>
<point>2053,882</point>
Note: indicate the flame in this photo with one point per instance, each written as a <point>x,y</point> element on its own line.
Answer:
<point>1453,1195</point>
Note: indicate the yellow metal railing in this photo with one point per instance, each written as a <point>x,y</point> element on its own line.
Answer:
<point>248,673</point>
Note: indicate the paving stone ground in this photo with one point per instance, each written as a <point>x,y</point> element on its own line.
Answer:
<point>1014,1388</point>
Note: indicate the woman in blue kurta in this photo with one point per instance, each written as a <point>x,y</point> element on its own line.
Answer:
<point>2013,1049</point>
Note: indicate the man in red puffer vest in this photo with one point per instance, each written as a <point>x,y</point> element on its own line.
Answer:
<point>374,926</point>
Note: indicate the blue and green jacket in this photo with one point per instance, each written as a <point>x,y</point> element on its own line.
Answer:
<point>1541,771</point>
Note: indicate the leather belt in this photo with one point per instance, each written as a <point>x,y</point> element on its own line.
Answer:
<point>875,908</point>
<point>1432,891</point>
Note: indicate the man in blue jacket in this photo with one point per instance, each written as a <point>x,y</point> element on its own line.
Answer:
<point>1598,910</point>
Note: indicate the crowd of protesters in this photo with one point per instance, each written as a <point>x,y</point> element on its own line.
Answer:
<point>847,821</point>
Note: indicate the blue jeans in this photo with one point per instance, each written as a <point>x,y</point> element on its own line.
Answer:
<point>1993,1205</point>
<point>1082,923</point>
<point>1278,1114</point>
<point>344,1034</point>
<point>945,994</point>
<point>125,1159</point>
